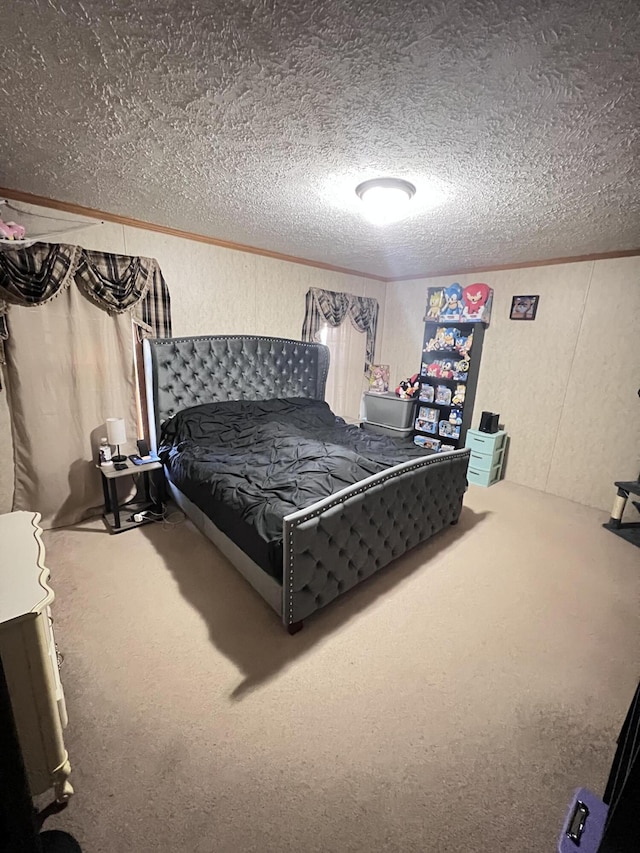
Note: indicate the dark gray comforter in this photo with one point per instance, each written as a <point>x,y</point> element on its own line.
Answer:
<point>248,464</point>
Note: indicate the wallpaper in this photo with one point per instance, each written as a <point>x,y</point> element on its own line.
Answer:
<point>565,384</point>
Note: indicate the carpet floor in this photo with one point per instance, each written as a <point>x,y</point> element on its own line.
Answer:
<point>451,703</point>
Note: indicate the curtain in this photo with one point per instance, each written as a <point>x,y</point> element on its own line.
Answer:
<point>363,313</point>
<point>117,283</point>
<point>70,365</point>
<point>331,307</point>
<point>61,391</point>
<point>345,384</point>
<point>33,277</point>
<point>325,313</point>
<point>153,313</point>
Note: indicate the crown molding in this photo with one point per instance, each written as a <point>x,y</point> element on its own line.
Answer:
<point>94,213</point>
<point>572,259</point>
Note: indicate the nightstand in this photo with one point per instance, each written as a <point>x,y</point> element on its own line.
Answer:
<point>112,509</point>
<point>487,456</point>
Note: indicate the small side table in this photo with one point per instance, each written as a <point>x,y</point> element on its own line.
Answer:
<point>112,509</point>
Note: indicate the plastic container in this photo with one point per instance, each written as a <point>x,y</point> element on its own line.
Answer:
<point>389,411</point>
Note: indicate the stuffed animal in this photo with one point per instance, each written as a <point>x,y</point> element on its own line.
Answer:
<point>408,388</point>
<point>475,297</point>
<point>463,344</point>
<point>449,338</point>
<point>437,341</point>
<point>11,231</point>
<point>458,397</point>
<point>436,298</point>
<point>452,302</point>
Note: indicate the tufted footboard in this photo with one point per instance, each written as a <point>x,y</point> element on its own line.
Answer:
<point>341,540</point>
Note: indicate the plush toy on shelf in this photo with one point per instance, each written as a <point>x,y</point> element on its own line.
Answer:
<point>11,231</point>
<point>459,395</point>
<point>408,388</point>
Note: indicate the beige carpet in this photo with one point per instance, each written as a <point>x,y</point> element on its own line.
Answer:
<point>451,703</point>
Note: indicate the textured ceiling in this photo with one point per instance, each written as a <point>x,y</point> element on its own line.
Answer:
<point>253,121</point>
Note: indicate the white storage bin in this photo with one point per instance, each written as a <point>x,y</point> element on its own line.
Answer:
<point>388,410</point>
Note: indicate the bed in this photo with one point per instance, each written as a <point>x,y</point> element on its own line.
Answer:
<point>259,397</point>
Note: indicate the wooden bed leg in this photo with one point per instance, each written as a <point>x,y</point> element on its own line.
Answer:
<point>294,627</point>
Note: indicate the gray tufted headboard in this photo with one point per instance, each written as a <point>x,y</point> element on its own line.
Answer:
<point>183,372</point>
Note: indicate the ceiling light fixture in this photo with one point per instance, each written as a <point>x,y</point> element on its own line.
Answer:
<point>385,199</point>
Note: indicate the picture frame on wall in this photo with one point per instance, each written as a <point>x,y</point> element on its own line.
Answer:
<point>524,307</point>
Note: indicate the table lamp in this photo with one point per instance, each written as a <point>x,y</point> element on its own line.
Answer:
<point>117,435</point>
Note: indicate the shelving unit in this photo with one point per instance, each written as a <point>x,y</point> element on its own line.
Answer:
<point>451,353</point>
<point>453,396</point>
<point>39,227</point>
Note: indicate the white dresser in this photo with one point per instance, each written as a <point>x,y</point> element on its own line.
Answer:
<point>28,652</point>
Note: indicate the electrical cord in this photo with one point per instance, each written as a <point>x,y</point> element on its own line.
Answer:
<point>164,517</point>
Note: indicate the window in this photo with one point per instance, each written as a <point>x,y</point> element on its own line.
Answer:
<point>347,324</point>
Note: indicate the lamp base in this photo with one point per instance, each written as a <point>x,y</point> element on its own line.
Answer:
<point>118,457</point>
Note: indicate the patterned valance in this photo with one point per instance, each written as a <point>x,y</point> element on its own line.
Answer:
<point>332,307</point>
<point>117,283</point>
<point>34,276</point>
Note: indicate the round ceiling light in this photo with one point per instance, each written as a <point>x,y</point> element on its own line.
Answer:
<point>385,199</point>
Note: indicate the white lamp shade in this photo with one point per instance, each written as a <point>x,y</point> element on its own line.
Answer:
<point>116,432</point>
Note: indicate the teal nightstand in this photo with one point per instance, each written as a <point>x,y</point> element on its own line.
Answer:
<point>487,455</point>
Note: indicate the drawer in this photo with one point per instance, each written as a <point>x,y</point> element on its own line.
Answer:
<point>484,461</point>
<point>484,478</point>
<point>485,442</point>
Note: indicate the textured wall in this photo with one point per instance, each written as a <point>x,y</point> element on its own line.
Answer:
<point>565,384</point>
<point>573,431</point>
<point>254,121</point>
<point>601,395</point>
<point>213,291</point>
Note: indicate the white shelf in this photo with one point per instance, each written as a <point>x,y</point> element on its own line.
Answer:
<point>40,227</point>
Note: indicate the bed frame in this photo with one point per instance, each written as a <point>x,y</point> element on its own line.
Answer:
<point>334,544</point>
